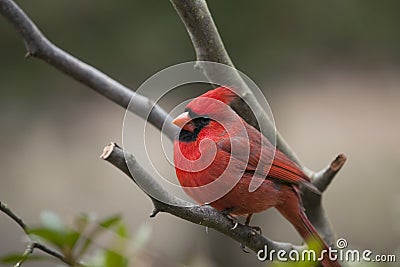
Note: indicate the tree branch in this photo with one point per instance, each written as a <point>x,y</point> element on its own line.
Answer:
<point>323,178</point>
<point>32,244</point>
<point>202,215</point>
<point>39,46</point>
<point>313,203</point>
<point>4,208</point>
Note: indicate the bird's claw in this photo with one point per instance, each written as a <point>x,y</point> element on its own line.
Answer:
<point>256,229</point>
<point>235,225</point>
<point>227,212</point>
<point>243,247</point>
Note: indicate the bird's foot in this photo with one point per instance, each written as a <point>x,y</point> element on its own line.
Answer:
<point>256,229</point>
<point>243,247</point>
<point>227,213</point>
<point>235,225</point>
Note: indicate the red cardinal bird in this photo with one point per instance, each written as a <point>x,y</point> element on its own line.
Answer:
<point>217,154</point>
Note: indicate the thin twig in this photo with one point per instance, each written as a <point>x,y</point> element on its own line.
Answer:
<point>4,208</point>
<point>323,178</point>
<point>27,253</point>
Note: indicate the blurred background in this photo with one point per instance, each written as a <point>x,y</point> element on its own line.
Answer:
<point>331,73</point>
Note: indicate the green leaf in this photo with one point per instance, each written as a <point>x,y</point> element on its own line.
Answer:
<point>71,238</point>
<point>113,259</point>
<point>110,221</point>
<point>65,241</point>
<point>122,231</point>
<point>14,258</point>
<point>54,237</point>
<point>55,232</point>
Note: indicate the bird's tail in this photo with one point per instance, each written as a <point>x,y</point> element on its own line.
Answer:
<point>293,211</point>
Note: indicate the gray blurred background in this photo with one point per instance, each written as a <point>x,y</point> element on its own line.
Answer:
<point>330,70</point>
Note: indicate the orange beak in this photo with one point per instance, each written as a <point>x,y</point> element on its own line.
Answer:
<point>184,122</point>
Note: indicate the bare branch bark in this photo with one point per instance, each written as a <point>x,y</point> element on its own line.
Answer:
<point>202,215</point>
<point>323,178</point>
<point>4,208</point>
<point>313,203</point>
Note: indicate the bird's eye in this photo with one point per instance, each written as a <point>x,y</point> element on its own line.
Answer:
<point>204,120</point>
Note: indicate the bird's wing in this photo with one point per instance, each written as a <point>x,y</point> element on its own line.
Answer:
<point>272,166</point>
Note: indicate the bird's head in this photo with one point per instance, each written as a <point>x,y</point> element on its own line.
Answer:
<point>212,107</point>
<point>209,110</point>
<point>229,97</point>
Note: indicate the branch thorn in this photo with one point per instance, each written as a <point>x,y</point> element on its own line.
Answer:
<point>154,213</point>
